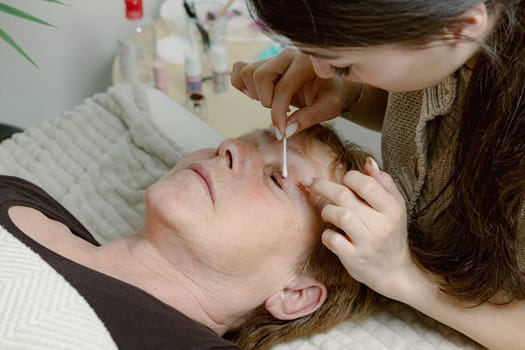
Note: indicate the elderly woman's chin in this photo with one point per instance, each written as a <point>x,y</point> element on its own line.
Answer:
<point>177,200</point>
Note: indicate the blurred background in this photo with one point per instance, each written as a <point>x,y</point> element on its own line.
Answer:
<point>76,60</point>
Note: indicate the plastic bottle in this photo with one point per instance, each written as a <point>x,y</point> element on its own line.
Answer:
<point>220,68</point>
<point>137,45</point>
<point>160,71</point>
<point>193,70</point>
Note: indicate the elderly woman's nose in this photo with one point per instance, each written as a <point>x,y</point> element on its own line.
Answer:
<point>233,153</point>
<point>239,156</point>
<point>322,68</point>
<point>229,152</point>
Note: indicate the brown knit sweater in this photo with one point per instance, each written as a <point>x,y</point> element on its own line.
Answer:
<point>418,141</point>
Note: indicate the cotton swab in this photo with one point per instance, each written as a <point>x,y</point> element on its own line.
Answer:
<point>284,165</point>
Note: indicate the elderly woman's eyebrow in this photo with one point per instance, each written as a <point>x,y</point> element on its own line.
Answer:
<point>262,137</point>
<point>265,136</point>
<point>298,150</point>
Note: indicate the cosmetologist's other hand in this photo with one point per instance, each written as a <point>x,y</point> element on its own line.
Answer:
<point>370,213</point>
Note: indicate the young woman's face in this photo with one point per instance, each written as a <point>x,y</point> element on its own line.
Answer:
<point>232,211</point>
<point>393,68</point>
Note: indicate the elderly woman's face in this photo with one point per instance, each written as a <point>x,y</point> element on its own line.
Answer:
<point>233,211</point>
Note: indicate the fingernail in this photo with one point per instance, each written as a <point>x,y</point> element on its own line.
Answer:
<point>278,135</point>
<point>372,163</point>
<point>291,129</point>
<point>247,93</point>
<point>307,181</point>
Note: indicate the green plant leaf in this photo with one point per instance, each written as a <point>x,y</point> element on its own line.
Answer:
<point>22,14</point>
<point>8,39</point>
<point>55,2</point>
<point>10,10</point>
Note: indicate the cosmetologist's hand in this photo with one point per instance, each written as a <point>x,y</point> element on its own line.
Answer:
<point>289,80</point>
<point>370,211</point>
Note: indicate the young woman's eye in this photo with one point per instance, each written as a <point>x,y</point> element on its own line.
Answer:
<point>274,178</point>
<point>342,71</point>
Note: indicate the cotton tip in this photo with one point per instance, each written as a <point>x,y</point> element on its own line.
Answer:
<point>285,166</point>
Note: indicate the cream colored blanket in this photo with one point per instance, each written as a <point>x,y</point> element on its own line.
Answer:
<point>97,160</point>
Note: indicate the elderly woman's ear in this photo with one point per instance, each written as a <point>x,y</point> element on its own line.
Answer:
<point>302,296</point>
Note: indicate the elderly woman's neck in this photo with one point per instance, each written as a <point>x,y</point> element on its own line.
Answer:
<point>137,262</point>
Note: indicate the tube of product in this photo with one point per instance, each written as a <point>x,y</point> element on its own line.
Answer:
<point>220,71</point>
<point>193,70</point>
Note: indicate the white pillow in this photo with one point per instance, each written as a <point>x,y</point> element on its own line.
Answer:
<point>183,127</point>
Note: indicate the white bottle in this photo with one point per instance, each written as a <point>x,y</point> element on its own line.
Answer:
<point>220,68</point>
<point>137,46</point>
<point>193,70</point>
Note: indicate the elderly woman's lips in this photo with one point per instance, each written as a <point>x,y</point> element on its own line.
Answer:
<point>204,174</point>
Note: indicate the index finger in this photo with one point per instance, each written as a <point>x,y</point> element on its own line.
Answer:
<point>290,83</point>
<point>268,74</point>
<point>339,195</point>
<point>236,77</point>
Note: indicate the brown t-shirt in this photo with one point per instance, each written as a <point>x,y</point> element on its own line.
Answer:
<point>134,318</point>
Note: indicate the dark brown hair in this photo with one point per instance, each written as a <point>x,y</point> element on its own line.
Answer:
<point>474,248</point>
<point>346,298</point>
<point>481,259</point>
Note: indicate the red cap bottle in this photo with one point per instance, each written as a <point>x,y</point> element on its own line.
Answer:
<point>134,9</point>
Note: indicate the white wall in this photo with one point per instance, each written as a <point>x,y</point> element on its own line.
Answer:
<point>75,60</point>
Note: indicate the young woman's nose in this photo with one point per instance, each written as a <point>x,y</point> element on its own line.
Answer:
<point>322,68</point>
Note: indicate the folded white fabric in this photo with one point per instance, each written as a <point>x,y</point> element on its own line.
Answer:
<point>393,326</point>
<point>97,160</point>
<point>39,309</point>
